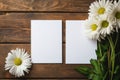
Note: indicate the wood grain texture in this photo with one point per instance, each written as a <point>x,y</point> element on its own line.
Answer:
<point>45,5</point>
<point>48,16</point>
<point>43,71</point>
<point>15,27</point>
<point>15,17</point>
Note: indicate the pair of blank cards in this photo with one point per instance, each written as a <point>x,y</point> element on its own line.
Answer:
<point>46,42</point>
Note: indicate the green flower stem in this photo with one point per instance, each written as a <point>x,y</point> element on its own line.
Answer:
<point>117,37</point>
<point>99,48</point>
<point>112,56</point>
<point>109,62</point>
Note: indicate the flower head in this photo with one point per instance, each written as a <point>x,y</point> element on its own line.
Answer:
<point>116,13</point>
<point>17,62</point>
<point>92,28</point>
<point>106,24</point>
<point>101,7</point>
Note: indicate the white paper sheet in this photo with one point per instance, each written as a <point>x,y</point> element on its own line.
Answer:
<point>46,41</point>
<point>79,49</point>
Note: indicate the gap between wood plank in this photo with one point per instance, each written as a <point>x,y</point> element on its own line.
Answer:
<point>5,12</point>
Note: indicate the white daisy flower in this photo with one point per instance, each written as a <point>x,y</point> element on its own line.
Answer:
<point>92,28</point>
<point>116,13</point>
<point>106,24</point>
<point>100,7</point>
<point>17,62</point>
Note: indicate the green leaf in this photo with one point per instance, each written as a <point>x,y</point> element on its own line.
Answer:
<point>102,59</point>
<point>84,70</point>
<point>99,51</point>
<point>116,69</point>
<point>105,46</point>
<point>98,54</point>
<point>95,65</point>
<point>97,77</point>
<point>91,76</point>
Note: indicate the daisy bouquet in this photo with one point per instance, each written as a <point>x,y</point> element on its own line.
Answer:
<point>103,25</point>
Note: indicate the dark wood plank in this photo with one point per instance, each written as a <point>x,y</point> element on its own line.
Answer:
<point>43,71</point>
<point>16,27</point>
<point>45,5</point>
<point>15,16</point>
<point>21,35</point>
<point>49,16</point>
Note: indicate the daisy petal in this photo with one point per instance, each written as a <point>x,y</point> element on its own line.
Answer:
<point>17,62</point>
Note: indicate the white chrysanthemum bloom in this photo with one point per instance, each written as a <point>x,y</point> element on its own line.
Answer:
<point>106,24</point>
<point>17,62</point>
<point>92,28</point>
<point>101,7</point>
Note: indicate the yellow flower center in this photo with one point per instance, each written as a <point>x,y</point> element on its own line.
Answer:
<point>117,15</point>
<point>105,24</point>
<point>17,61</point>
<point>101,10</point>
<point>93,27</point>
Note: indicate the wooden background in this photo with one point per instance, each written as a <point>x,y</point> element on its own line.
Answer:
<point>15,16</point>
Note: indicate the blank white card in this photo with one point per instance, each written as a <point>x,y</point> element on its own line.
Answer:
<point>79,49</point>
<point>46,41</point>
